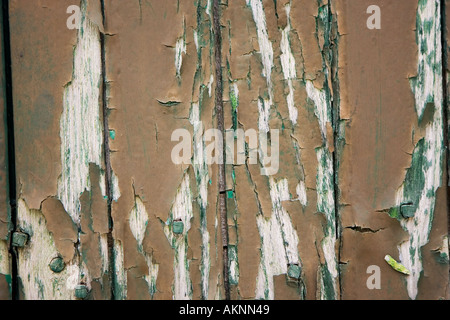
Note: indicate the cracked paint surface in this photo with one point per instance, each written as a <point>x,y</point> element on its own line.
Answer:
<point>202,176</point>
<point>288,65</point>
<point>81,126</point>
<point>181,211</point>
<point>424,176</point>
<point>38,281</point>
<point>138,226</point>
<point>5,269</point>
<point>280,72</point>
<point>79,193</point>
<point>279,242</point>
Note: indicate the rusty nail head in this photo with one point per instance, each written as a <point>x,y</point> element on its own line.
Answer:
<point>57,264</point>
<point>407,210</point>
<point>178,227</point>
<point>19,239</point>
<point>294,271</point>
<point>81,291</point>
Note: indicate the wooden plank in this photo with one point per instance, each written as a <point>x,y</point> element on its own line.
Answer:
<point>279,78</point>
<point>447,71</point>
<point>336,128</point>
<point>392,168</point>
<point>160,82</point>
<point>5,212</point>
<point>59,150</point>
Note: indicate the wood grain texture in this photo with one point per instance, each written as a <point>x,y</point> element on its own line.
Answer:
<point>337,134</point>
<point>59,149</point>
<point>5,212</point>
<point>160,82</point>
<point>387,83</point>
<point>283,83</point>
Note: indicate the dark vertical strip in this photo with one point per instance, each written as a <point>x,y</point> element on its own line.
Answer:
<point>106,150</point>
<point>221,128</point>
<point>335,105</point>
<point>446,105</point>
<point>10,142</point>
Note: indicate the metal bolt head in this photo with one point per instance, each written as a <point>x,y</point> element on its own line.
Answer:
<point>407,210</point>
<point>178,227</point>
<point>57,265</point>
<point>81,291</point>
<point>19,239</point>
<point>294,271</point>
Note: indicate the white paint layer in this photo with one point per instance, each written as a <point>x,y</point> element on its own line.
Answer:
<point>288,66</point>
<point>4,258</point>
<point>39,282</point>
<point>325,187</point>
<point>80,125</point>
<point>181,210</point>
<point>301,193</point>
<point>265,45</point>
<point>427,88</point>
<point>279,241</point>
<point>138,224</point>
<point>202,176</point>
<point>180,49</point>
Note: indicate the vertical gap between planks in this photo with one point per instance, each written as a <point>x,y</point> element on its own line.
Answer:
<point>335,107</point>
<point>108,178</point>
<point>10,150</point>
<point>221,128</point>
<point>446,107</point>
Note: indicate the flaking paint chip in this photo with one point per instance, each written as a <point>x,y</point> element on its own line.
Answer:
<point>396,265</point>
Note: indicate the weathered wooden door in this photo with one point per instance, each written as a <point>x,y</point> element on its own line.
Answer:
<point>239,149</point>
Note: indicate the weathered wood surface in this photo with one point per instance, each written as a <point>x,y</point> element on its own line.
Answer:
<point>356,116</point>
<point>59,151</point>
<point>5,213</point>
<point>149,97</point>
<point>394,154</point>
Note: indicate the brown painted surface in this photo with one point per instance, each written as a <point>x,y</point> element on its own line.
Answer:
<point>252,188</point>
<point>4,196</point>
<point>141,71</point>
<point>42,57</point>
<point>42,53</point>
<point>5,212</point>
<point>378,107</point>
<point>146,100</point>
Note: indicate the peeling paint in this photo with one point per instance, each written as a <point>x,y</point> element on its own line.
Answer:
<point>4,258</point>
<point>325,193</point>
<point>5,266</point>
<point>120,284</point>
<point>288,65</point>
<point>180,49</point>
<point>202,176</point>
<point>265,45</point>
<point>427,159</point>
<point>279,241</point>
<point>443,251</point>
<point>138,225</point>
<point>38,281</point>
<point>234,264</point>
<point>81,127</point>
<point>395,265</point>
<point>138,221</point>
<point>181,210</point>
<point>301,193</point>
<point>264,112</point>
<point>322,108</point>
